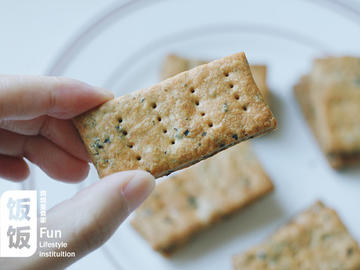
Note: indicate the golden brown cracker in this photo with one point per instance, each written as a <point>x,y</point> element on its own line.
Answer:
<point>335,93</point>
<point>330,99</point>
<point>190,201</point>
<point>316,239</point>
<point>161,128</point>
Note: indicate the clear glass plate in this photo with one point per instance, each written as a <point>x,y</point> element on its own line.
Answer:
<point>122,50</point>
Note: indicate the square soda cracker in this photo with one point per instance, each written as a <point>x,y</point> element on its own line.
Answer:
<point>177,122</point>
<point>336,160</point>
<point>314,240</point>
<point>335,92</point>
<point>174,64</point>
<point>330,100</point>
<point>195,198</point>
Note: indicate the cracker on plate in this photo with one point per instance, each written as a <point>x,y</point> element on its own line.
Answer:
<point>314,240</point>
<point>177,122</point>
<point>174,64</point>
<point>193,199</point>
<point>330,99</point>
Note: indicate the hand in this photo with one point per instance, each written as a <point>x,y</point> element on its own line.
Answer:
<point>35,123</point>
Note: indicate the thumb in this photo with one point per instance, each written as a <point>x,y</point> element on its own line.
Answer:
<point>89,218</point>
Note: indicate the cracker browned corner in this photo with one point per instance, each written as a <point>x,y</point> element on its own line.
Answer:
<point>315,239</point>
<point>177,122</point>
<point>192,200</point>
<point>330,99</point>
<point>174,64</point>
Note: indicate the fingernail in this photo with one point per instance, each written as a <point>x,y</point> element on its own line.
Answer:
<point>138,189</point>
<point>104,91</point>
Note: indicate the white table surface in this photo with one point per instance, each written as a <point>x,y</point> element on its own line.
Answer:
<point>32,35</point>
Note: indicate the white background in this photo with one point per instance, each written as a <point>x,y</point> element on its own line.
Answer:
<point>32,34</point>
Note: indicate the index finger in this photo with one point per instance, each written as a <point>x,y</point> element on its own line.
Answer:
<point>27,97</point>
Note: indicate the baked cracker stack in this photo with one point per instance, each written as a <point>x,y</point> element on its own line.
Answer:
<point>174,64</point>
<point>315,240</point>
<point>193,199</point>
<point>330,100</point>
<point>177,122</point>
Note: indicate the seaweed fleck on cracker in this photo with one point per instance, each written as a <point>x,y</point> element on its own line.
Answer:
<point>316,239</point>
